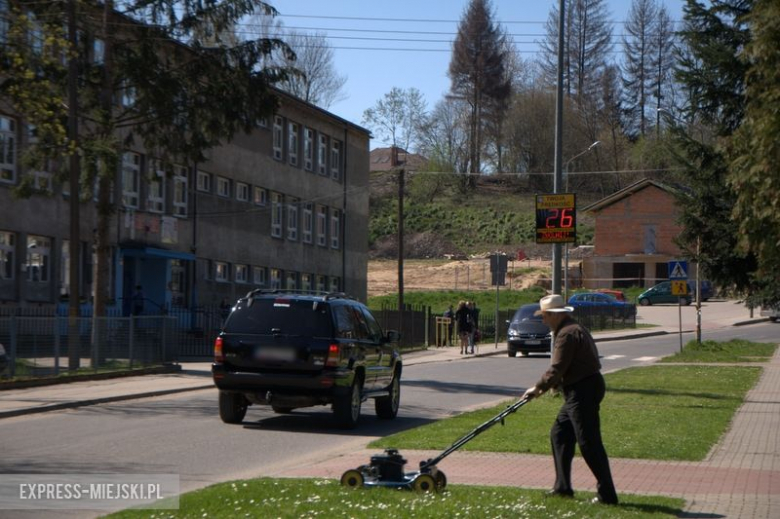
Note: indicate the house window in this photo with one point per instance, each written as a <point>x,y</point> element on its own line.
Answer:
<point>292,152</point>
<point>292,219</point>
<point>7,149</point>
<point>335,228</point>
<point>322,283</point>
<point>335,160</point>
<point>262,122</point>
<point>650,239</point>
<point>204,182</point>
<point>322,225</point>
<point>128,94</point>
<point>7,249</point>
<point>308,149</point>
<point>38,254</point>
<point>179,191</point>
<point>223,187</point>
<point>221,271</point>
<point>276,278</point>
<point>98,51</point>
<point>291,282</point>
<point>242,191</point>
<point>242,274</point>
<point>308,222</point>
<point>155,199</point>
<point>259,276</point>
<point>277,206</point>
<point>278,137</point>
<point>260,196</point>
<point>131,179</point>
<point>322,154</point>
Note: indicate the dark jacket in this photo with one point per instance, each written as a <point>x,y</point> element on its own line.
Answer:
<point>575,357</point>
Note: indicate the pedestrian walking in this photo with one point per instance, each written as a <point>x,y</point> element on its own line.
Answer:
<point>449,313</point>
<point>463,318</point>
<point>476,333</point>
<point>575,368</point>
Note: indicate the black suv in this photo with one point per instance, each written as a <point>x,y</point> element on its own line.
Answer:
<point>288,350</point>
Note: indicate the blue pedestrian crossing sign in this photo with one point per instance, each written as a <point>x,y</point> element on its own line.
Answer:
<point>678,270</point>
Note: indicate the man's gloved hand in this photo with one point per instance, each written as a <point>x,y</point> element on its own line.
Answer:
<point>531,392</point>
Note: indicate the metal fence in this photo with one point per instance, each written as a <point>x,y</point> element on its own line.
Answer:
<point>48,346</point>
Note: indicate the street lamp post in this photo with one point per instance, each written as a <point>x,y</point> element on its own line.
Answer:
<point>566,183</point>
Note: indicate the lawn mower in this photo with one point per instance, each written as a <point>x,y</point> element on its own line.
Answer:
<point>387,470</point>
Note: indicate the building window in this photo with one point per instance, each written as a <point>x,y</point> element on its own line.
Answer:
<point>242,192</point>
<point>308,149</point>
<point>335,228</point>
<point>335,284</point>
<point>292,219</point>
<point>322,225</point>
<point>155,198</point>
<point>335,160</point>
<point>7,249</point>
<point>292,152</point>
<point>277,206</point>
<point>98,51</point>
<point>322,283</point>
<point>178,283</point>
<point>242,274</point>
<point>223,187</point>
<point>131,179</point>
<point>259,276</point>
<point>221,271</point>
<point>322,154</point>
<point>291,281</point>
<point>262,122</point>
<point>203,182</point>
<point>38,254</point>
<point>179,191</point>
<point>276,278</point>
<point>128,95</point>
<point>306,282</point>
<point>7,149</point>
<point>650,239</point>
<point>260,196</point>
<point>278,137</point>
<point>308,222</point>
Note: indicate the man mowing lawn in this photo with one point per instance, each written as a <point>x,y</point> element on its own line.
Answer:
<point>575,367</point>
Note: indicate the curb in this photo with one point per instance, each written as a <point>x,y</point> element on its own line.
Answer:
<point>55,381</point>
<point>96,401</point>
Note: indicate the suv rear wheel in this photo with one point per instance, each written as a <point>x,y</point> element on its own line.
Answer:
<point>232,407</point>
<point>387,406</point>
<point>347,407</point>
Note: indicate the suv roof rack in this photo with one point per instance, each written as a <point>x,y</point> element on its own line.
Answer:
<point>325,294</point>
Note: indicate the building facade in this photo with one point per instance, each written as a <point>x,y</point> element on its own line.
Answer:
<point>635,229</point>
<point>283,207</point>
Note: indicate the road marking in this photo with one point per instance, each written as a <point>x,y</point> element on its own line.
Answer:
<point>645,359</point>
<point>613,357</point>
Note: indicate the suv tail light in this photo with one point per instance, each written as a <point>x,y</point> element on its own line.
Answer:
<point>333,356</point>
<point>219,355</point>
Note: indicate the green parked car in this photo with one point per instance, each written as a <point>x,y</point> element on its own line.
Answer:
<point>662,293</point>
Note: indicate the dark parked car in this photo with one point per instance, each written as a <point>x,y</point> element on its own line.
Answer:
<point>527,333</point>
<point>597,303</point>
<point>290,350</point>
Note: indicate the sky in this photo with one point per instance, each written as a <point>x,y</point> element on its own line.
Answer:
<point>381,44</point>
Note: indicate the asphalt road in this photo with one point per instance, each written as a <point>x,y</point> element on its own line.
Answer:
<point>182,434</point>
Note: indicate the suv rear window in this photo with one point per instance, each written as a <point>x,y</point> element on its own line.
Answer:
<point>287,316</point>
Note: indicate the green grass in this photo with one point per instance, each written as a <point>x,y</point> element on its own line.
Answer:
<point>653,412</point>
<point>736,350</point>
<point>295,498</point>
<point>439,300</point>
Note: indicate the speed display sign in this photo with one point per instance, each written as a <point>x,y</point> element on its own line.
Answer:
<point>556,218</point>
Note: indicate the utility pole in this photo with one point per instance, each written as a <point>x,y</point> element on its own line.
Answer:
<point>74,295</point>
<point>556,259</point>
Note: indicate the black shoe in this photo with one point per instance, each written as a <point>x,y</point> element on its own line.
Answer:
<point>558,493</point>
<point>599,500</point>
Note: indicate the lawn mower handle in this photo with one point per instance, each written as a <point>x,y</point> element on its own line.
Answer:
<point>474,433</point>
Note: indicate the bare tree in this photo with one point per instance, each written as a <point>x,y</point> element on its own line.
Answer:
<point>663,63</point>
<point>396,119</point>
<point>478,72</point>
<point>444,137</point>
<point>638,70</point>
<point>317,81</point>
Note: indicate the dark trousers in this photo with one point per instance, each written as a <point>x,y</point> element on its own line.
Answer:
<point>578,424</point>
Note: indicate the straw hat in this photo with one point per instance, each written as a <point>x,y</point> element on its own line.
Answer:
<point>553,303</point>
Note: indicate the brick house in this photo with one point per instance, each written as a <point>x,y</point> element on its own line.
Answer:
<point>634,236</point>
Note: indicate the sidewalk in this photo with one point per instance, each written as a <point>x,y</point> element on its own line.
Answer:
<point>739,479</point>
